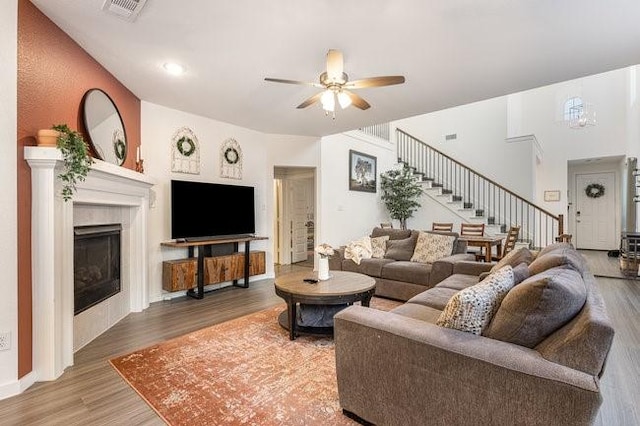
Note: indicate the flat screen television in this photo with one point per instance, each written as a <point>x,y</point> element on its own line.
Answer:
<point>201,210</point>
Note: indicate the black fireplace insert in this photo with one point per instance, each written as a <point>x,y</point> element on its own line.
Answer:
<point>96,264</point>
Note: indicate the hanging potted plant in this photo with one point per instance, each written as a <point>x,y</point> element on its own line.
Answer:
<point>77,161</point>
<point>400,193</point>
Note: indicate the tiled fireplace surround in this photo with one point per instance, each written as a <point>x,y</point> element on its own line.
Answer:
<point>110,194</point>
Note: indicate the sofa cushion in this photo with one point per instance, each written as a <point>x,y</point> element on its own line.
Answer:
<point>412,272</point>
<point>558,257</point>
<point>514,258</point>
<point>393,234</point>
<point>472,309</point>
<point>419,312</point>
<point>379,246</point>
<point>371,267</point>
<point>458,281</point>
<point>538,306</point>
<point>401,249</point>
<point>520,273</point>
<point>554,246</point>
<point>432,246</point>
<point>358,250</point>
<point>436,297</point>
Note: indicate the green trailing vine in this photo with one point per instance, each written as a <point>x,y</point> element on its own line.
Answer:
<point>186,146</point>
<point>77,161</point>
<point>594,190</point>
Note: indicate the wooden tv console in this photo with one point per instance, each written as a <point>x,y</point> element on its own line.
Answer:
<point>223,263</point>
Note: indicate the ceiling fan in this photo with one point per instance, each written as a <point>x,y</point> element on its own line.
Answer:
<point>336,85</point>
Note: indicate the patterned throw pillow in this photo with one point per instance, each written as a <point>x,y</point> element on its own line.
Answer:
<point>431,247</point>
<point>472,309</point>
<point>379,246</point>
<point>358,250</point>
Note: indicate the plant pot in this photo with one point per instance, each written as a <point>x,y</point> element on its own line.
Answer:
<point>47,137</point>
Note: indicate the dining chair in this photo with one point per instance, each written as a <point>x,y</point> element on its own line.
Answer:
<point>442,227</point>
<point>473,230</point>
<point>509,242</point>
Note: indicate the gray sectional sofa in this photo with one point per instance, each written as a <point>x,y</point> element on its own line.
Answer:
<point>538,362</point>
<point>396,276</point>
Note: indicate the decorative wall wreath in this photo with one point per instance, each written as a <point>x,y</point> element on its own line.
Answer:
<point>120,149</point>
<point>186,146</point>
<point>231,155</point>
<point>594,190</point>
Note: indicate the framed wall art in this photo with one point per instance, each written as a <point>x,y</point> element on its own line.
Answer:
<point>231,159</point>
<point>552,195</point>
<point>185,152</point>
<point>362,172</point>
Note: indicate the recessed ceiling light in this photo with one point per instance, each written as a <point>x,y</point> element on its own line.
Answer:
<point>173,68</point>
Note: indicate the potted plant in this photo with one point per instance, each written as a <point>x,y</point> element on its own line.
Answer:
<point>77,161</point>
<point>400,192</point>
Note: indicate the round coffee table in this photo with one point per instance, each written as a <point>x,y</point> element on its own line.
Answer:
<point>342,288</point>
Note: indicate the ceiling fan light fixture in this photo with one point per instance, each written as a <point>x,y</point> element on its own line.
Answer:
<point>328,100</point>
<point>344,100</point>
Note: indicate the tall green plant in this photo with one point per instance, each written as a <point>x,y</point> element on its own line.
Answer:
<point>400,193</point>
<point>77,161</point>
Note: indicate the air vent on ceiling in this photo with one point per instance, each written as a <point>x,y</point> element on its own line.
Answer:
<point>124,9</point>
<point>451,137</point>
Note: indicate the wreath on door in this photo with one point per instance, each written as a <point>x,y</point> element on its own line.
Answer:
<point>594,190</point>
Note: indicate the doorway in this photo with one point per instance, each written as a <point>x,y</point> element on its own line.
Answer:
<point>595,208</point>
<point>294,216</point>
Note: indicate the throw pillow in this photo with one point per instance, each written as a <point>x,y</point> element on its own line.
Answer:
<point>514,258</point>
<point>431,247</point>
<point>401,249</point>
<point>358,250</point>
<point>472,309</point>
<point>564,256</point>
<point>379,246</point>
<point>538,306</point>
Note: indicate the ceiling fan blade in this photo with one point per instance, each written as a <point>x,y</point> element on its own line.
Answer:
<point>375,82</point>
<point>357,101</point>
<point>304,83</point>
<point>312,100</point>
<point>335,65</point>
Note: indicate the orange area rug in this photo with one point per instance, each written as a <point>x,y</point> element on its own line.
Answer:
<point>242,372</point>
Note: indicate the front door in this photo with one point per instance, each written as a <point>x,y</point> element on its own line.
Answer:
<point>596,216</point>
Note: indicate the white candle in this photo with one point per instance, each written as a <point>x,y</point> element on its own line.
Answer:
<point>138,154</point>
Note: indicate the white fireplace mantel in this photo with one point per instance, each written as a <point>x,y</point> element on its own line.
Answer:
<point>52,248</point>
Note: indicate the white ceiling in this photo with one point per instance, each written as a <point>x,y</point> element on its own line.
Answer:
<point>451,52</point>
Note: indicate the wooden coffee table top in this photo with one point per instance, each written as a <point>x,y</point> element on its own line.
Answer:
<point>341,283</point>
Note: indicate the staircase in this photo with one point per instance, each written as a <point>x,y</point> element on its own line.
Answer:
<point>474,197</point>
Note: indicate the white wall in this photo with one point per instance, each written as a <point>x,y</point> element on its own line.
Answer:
<point>542,116</point>
<point>481,130</point>
<point>483,126</point>
<point>348,215</point>
<point>8,174</point>
<point>158,126</point>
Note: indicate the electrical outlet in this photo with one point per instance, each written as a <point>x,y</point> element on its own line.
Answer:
<point>5,341</point>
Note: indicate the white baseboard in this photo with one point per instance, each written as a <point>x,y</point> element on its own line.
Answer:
<point>8,390</point>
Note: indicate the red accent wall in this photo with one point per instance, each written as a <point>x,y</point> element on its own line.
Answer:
<point>54,72</point>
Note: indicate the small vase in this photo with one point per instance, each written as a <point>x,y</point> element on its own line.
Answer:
<point>47,137</point>
<point>323,269</point>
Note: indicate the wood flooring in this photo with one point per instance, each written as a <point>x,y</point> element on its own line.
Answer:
<point>92,393</point>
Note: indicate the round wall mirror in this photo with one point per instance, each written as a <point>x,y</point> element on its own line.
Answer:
<point>104,125</point>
